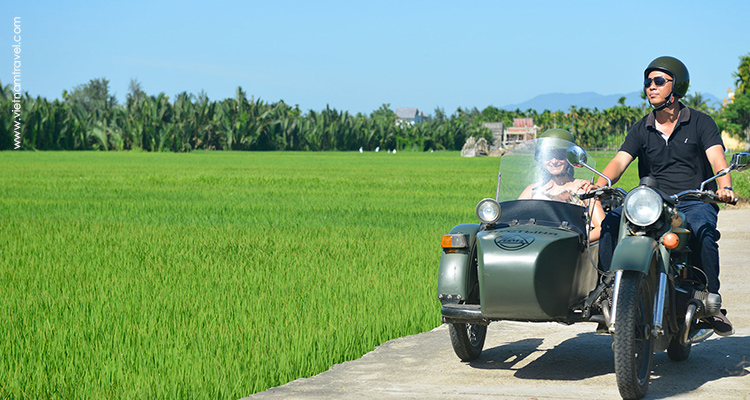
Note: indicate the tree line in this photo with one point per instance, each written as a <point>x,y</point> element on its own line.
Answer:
<point>90,118</point>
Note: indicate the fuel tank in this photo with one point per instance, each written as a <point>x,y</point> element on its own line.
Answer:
<point>535,266</point>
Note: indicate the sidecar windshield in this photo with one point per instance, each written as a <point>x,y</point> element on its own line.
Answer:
<point>534,164</point>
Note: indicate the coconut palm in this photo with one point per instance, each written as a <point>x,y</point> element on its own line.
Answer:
<point>696,101</point>
<point>742,75</point>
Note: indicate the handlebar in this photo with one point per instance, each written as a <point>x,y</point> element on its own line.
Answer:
<point>610,197</point>
<point>588,195</point>
<point>604,192</point>
<point>706,196</point>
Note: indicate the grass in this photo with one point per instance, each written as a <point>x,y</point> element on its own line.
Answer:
<point>217,274</point>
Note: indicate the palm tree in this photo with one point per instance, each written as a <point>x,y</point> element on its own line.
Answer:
<point>697,102</point>
<point>743,75</point>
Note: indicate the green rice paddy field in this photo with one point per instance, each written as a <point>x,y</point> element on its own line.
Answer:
<point>217,275</point>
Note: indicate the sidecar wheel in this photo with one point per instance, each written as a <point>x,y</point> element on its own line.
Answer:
<point>467,340</point>
<point>678,352</point>
<point>634,345</point>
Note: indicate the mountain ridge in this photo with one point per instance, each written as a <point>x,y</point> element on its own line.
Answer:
<point>563,101</point>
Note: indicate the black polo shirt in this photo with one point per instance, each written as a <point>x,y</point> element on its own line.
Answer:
<point>680,163</point>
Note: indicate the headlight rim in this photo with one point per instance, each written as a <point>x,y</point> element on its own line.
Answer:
<point>627,205</point>
<point>490,201</point>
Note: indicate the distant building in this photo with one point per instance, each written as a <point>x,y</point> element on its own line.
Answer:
<point>410,116</point>
<point>497,133</point>
<point>523,129</point>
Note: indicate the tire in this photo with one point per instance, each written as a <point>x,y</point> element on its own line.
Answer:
<point>467,340</point>
<point>634,345</point>
<point>678,352</point>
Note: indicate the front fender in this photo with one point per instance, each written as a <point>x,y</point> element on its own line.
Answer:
<point>454,275</point>
<point>634,253</point>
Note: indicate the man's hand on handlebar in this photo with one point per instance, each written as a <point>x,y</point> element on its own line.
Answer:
<point>584,186</point>
<point>726,195</point>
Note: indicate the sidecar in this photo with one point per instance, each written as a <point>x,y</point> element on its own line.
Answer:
<point>526,260</point>
<point>533,264</point>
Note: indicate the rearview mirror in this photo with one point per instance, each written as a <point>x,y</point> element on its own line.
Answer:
<point>739,161</point>
<point>576,156</point>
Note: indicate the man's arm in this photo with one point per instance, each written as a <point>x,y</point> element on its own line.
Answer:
<point>615,168</point>
<point>715,155</point>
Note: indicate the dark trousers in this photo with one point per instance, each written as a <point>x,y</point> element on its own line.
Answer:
<point>701,220</point>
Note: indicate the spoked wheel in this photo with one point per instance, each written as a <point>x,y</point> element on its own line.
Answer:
<point>467,340</point>
<point>634,346</point>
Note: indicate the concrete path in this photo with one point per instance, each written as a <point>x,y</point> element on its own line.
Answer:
<point>549,360</point>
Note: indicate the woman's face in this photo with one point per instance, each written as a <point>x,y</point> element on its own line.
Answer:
<point>555,162</point>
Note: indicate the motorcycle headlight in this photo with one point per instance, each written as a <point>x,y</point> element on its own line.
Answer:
<point>642,206</point>
<point>488,211</point>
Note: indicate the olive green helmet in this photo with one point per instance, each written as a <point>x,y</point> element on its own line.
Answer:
<point>676,69</point>
<point>552,140</point>
<point>558,134</point>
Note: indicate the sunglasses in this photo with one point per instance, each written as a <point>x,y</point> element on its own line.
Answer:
<point>658,81</point>
<point>557,154</point>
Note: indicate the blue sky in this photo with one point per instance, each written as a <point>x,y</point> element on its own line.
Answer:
<point>355,56</point>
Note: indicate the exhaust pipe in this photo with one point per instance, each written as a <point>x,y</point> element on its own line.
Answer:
<point>693,336</point>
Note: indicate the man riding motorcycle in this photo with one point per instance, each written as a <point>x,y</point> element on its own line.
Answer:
<point>679,147</point>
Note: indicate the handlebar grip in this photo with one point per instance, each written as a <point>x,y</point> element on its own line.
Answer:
<point>588,195</point>
<point>715,198</point>
<point>707,196</point>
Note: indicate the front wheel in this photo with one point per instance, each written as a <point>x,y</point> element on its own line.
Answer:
<point>467,340</point>
<point>634,346</point>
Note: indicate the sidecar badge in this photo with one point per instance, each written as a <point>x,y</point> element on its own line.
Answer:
<point>514,241</point>
<point>454,241</point>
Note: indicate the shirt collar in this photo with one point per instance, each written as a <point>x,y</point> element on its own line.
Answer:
<point>682,118</point>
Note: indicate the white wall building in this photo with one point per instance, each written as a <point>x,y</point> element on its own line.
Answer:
<point>410,115</point>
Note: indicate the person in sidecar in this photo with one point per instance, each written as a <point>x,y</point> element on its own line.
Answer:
<point>680,147</point>
<point>557,180</point>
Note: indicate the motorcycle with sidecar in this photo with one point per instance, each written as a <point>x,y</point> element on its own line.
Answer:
<point>531,260</point>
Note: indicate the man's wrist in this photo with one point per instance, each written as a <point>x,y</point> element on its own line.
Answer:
<point>728,188</point>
